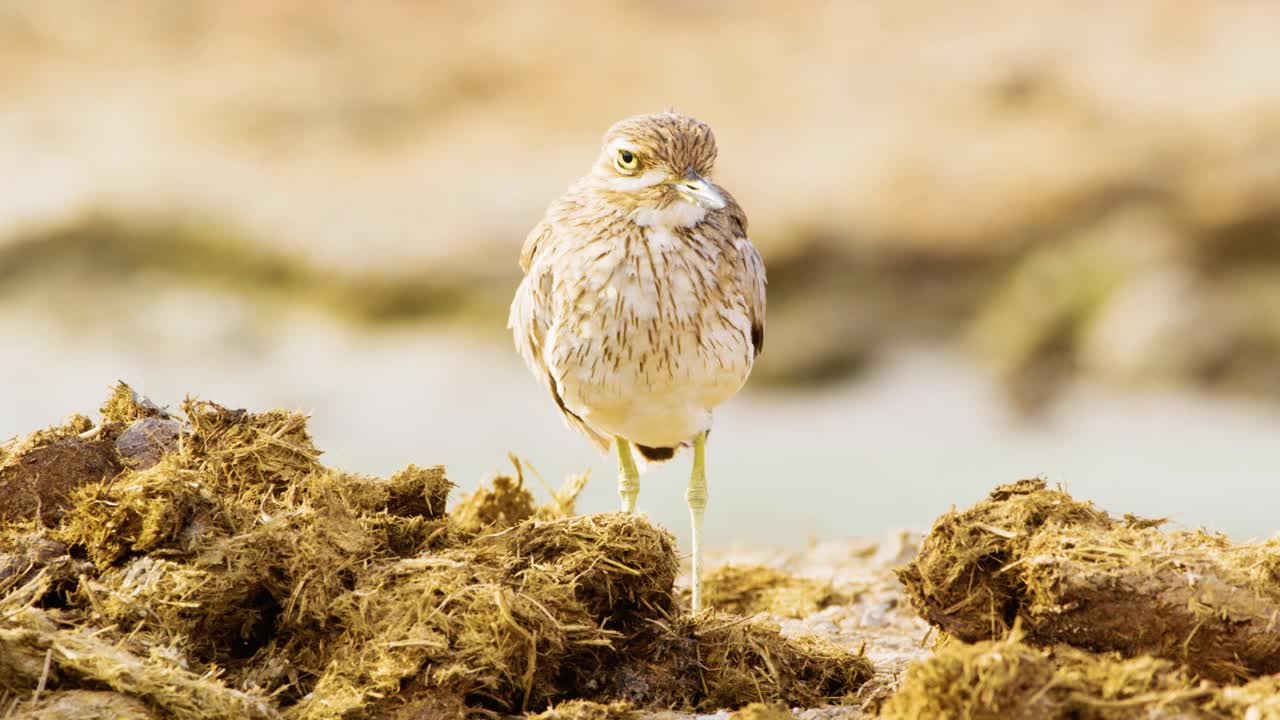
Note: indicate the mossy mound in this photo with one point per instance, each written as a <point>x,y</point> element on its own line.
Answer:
<point>215,569</point>
<point>1066,572</point>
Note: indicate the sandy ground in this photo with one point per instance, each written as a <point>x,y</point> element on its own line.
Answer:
<point>877,619</point>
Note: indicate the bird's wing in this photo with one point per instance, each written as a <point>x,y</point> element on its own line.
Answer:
<point>750,268</point>
<point>531,317</point>
<point>754,267</point>
<point>538,237</point>
<point>531,308</point>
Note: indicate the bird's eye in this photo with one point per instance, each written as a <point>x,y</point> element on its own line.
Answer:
<point>627,162</point>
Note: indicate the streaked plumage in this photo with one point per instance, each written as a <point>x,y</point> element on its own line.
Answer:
<point>643,302</point>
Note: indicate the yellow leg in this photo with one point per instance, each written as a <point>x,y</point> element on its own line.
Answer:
<point>628,476</point>
<point>697,497</point>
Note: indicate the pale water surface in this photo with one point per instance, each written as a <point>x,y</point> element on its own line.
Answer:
<point>922,434</point>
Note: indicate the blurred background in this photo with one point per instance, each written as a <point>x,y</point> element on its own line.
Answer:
<point>1004,238</point>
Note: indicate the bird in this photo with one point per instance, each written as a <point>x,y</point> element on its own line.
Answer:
<point>642,305</point>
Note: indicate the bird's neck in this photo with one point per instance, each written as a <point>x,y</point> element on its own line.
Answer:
<point>677,215</point>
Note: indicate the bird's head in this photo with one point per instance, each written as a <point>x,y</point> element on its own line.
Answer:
<point>660,162</point>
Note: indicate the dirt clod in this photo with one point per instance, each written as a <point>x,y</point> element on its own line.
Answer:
<point>37,483</point>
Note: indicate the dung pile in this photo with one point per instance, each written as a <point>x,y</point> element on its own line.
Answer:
<point>751,589</point>
<point>507,502</point>
<point>1065,572</point>
<point>1010,679</point>
<point>209,566</point>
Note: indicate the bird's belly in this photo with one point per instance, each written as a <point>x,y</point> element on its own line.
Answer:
<point>654,389</point>
<point>646,346</point>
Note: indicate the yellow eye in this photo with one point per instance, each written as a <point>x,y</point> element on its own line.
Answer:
<point>627,162</point>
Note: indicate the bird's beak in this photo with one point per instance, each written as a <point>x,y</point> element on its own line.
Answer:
<point>696,189</point>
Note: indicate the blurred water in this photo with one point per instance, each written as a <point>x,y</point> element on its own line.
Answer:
<point>923,434</point>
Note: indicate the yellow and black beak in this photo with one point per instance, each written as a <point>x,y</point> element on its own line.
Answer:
<point>698,190</point>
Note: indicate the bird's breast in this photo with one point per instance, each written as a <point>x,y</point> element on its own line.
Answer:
<point>650,307</point>
<point>653,273</point>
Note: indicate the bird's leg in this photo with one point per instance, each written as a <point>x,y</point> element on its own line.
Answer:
<point>628,476</point>
<point>697,497</point>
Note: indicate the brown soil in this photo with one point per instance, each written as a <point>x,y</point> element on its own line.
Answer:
<point>38,483</point>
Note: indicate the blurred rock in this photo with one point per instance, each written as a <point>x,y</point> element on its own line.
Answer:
<point>1157,325</point>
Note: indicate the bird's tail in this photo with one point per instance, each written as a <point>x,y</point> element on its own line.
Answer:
<point>656,454</point>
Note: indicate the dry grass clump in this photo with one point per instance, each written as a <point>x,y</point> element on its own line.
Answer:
<point>587,710</point>
<point>1010,679</point>
<point>75,426</point>
<point>716,660</point>
<point>221,572</point>
<point>507,502</point>
<point>1068,572</point>
<point>30,556</point>
<point>763,711</point>
<point>125,406</point>
<point>536,609</point>
<point>84,705</point>
<point>752,589</point>
<point>39,651</point>
<point>751,659</point>
<point>616,566</point>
